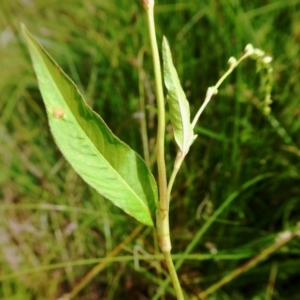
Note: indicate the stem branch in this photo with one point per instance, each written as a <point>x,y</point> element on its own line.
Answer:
<point>214,89</point>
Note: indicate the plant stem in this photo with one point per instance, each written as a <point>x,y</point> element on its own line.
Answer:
<point>177,165</point>
<point>162,214</point>
<point>163,205</point>
<point>173,275</point>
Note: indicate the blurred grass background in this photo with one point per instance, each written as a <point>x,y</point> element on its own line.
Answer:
<point>52,225</point>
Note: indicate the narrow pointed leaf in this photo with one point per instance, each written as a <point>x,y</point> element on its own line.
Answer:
<point>97,155</point>
<point>178,104</point>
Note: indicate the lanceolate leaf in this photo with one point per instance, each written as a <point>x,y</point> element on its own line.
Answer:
<point>178,104</point>
<point>99,157</point>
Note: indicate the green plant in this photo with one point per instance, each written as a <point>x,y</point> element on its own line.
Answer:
<point>108,164</point>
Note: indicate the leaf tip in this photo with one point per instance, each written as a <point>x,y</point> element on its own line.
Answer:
<point>23,28</point>
<point>25,32</point>
<point>165,43</point>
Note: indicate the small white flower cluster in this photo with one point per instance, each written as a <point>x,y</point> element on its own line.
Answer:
<point>263,63</point>
<point>283,236</point>
<point>232,62</point>
<point>256,53</point>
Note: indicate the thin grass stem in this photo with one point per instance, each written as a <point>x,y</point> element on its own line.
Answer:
<point>282,239</point>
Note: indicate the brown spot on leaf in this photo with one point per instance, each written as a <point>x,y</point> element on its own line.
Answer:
<point>58,113</point>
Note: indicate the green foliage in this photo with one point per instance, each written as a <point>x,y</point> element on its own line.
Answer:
<point>98,156</point>
<point>52,223</point>
<point>178,104</point>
